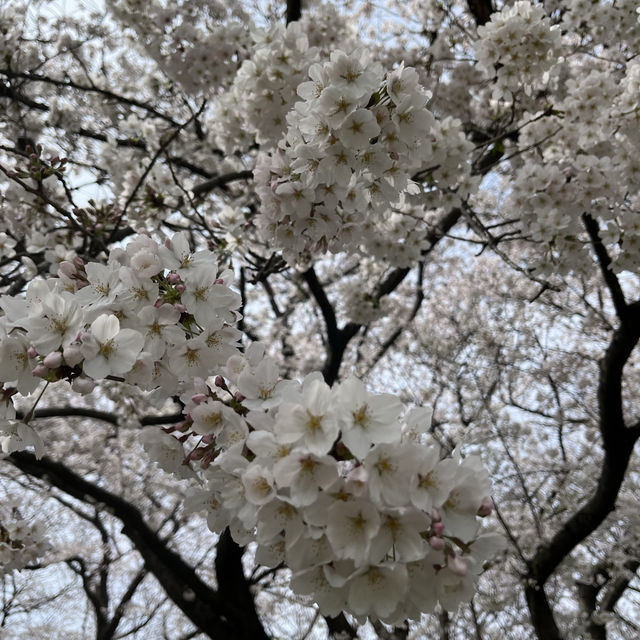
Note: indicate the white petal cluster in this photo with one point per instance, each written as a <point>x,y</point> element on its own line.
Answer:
<point>22,541</point>
<point>587,164</point>
<point>519,43</point>
<point>198,44</point>
<point>264,89</point>
<point>344,487</point>
<point>153,315</point>
<point>348,155</point>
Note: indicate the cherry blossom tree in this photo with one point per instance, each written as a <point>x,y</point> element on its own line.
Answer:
<point>320,320</point>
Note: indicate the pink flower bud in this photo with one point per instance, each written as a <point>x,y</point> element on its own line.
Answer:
<point>458,566</point>
<point>180,288</point>
<point>78,261</point>
<point>31,352</point>
<point>218,281</point>
<point>40,371</point>
<point>53,360</point>
<point>198,398</point>
<point>435,515</point>
<point>238,396</point>
<point>180,307</point>
<point>219,382</point>
<point>486,507</point>
<point>436,543</point>
<point>67,269</point>
<point>72,355</point>
<point>173,278</point>
<point>437,528</point>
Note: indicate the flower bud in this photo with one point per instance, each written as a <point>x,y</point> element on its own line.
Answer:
<point>198,398</point>
<point>435,515</point>
<point>180,288</point>
<point>173,278</point>
<point>72,355</point>
<point>40,371</point>
<point>31,352</point>
<point>486,507</point>
<point>67,269</point>
<point>180,307</point>
<point>437,528</point>
<point>436,543</point>
<point>53,360</point>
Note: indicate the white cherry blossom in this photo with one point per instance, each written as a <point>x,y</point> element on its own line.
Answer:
<point>109,350</point>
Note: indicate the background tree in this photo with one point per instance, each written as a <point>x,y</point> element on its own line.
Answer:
<point>472,247</point>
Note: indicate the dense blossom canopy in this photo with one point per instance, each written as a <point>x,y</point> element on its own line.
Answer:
<point>336,280</point>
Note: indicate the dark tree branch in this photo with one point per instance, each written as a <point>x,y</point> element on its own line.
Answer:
<point>339,627</point>
<point>320,296</point>
<point>338,339</point>
<point>618,442</point>
<point>70,84</point>
<point>95,414</point>
<point>79,567</point>
<point>72,412</point>
<point>10,92</point>
<point>234,586</point>
<point>604,260</point>
<point>618,586</point>
<point>294,10</point>
<point>588,593</point>
<point>397,332</point>
<point>219,181</point>
<point>111,628</point>
<point>481,10</point>
<point>211,612</point>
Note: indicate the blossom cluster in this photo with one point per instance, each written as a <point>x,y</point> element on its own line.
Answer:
<point>21,541</point>
<point>345,487</point>
<point>254,108</point>
<point>14,50</point>
<point>153,315</point>
<point>199,46</point>
<point>264,89</point>
<point>519,44</point>
<point>351,148</point>
<point>613,24</point>
<point>585,164</point>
